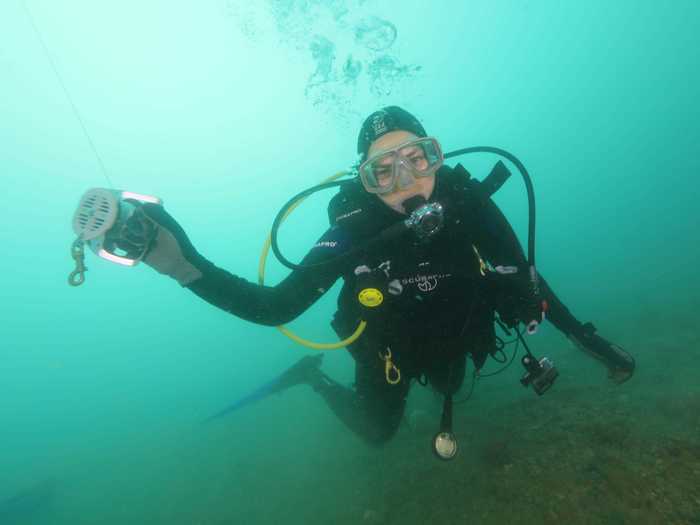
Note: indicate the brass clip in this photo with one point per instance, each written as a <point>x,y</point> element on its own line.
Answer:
<point>391,372</point>
<point>77,276</point>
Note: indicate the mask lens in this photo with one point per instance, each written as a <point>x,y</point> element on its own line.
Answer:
<point>383,171</point>
<point>422,157</point>
<point>416,156</point>
<point>378,174</point>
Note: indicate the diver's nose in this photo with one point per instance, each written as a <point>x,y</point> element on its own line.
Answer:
<point>405,177</point>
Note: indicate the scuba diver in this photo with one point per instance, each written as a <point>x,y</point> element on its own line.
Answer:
<point>430,294</point>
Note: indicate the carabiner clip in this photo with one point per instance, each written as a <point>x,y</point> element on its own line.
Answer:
<point>77,276</point>
<point>391,372</point>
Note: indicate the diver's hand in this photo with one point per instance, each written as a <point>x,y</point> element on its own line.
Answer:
<point>620,364</point>
<point>532,310</point>
<point>516,302</point>
<point>169,250</point>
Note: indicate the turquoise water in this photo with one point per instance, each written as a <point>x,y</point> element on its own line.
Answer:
<point>226,109</point>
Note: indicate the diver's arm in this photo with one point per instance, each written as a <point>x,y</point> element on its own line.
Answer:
<point>496,238</point>
<point>500,245</point>
<point>260,304</point>
<point>170,252</point>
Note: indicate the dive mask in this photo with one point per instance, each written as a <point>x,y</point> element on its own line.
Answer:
<point>399,166</point>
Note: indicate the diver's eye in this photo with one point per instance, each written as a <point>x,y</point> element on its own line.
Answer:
<point>419,161</point>
<point>416,157</point>
<point>383,176</point>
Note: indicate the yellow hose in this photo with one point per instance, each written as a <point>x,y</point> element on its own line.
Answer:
<point>261,280</point>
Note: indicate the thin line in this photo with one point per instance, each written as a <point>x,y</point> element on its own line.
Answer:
<point>65,90</point>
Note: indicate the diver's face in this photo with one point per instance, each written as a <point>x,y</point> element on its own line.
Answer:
<point>422,186</point>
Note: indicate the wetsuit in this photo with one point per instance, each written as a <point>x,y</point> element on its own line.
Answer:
<point>438,308</point>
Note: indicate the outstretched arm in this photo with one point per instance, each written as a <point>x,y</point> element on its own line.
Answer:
<point>266,305</point>
<point>172,254</point>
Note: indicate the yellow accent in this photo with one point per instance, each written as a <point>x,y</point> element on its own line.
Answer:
<point>370,297</point>
<point>324,346</point>
<point>261,280</point>
<point>391,371</point>
<point>482,264</point>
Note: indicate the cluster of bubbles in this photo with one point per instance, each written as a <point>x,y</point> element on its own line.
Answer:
<point>351,51</point>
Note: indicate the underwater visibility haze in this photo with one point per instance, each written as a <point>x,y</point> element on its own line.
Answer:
<point>129,399</point>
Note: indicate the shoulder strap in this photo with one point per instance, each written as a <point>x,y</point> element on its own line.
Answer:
<point>491,184</point>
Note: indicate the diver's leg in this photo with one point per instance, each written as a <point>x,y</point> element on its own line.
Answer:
<point>374,409</point>
<point>620,364</point>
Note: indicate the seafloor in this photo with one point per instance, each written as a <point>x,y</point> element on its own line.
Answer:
<point>582,456</point>
<point>587,452</point>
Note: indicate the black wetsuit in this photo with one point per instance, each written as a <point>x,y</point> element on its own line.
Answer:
<point>439,306</point>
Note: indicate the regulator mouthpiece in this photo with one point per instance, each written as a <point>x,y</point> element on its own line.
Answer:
<point>426,218</point>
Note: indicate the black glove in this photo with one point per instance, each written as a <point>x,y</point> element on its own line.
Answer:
<point>515,301</point>
<point>162,243</point>
<point>620,364</point>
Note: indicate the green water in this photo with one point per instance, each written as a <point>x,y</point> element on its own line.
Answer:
<point>226,109</point>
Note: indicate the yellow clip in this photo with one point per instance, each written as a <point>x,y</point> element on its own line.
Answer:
<point>391,372</point>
